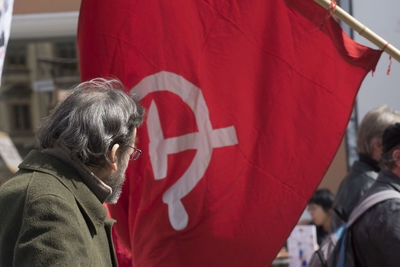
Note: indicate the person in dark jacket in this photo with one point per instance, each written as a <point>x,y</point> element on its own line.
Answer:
<point>364,171</point>
<point>52,211</point>
<point>320,209</point>
<point>375,236</point>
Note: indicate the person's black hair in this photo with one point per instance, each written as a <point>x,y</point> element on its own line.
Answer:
<point>323,198</point>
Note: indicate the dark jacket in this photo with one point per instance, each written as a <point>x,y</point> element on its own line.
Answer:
<point>49,217</point>
<point>375,237</point>
<point>362,175</point>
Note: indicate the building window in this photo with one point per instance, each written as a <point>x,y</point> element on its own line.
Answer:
<point>66,56</point>
<point>20,117</point>
<point>16,57</point>
<point>65,50</point>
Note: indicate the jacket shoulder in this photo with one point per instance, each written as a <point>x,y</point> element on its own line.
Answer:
<point>34,184</point>
<point>44,184</point>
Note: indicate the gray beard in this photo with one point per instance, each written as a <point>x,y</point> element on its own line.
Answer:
<point>116,182</point>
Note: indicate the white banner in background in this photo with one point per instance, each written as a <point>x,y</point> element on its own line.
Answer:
<point>6,10</point>
<point>302,243</point>
<point>9,153</point>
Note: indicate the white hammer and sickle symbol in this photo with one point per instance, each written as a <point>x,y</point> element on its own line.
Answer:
<point>203,141</point>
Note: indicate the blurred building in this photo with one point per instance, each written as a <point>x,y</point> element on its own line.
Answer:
<point>41,62</point>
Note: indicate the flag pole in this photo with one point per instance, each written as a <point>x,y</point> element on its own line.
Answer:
<point>339,13</point>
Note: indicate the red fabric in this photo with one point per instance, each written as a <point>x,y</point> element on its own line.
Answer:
<point>281,76</point>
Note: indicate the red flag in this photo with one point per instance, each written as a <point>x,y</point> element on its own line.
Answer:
<point>247,102</point>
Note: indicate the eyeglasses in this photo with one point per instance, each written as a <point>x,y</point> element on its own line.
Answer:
<point>136,153</point>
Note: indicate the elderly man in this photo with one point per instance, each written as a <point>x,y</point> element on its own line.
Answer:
<point>375,237</point>
<point>52,211</point>
<point>364,172</point>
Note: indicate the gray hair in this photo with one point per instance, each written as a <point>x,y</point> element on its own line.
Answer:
<point>372,127</point>
<point>94,117</point>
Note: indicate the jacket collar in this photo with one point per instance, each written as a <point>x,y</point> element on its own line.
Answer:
<point>98,187</point>
<point>370,162</point>
<point>90,205</point>
<point>387,177</point>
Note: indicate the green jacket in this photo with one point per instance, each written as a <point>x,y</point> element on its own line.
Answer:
<point>49,217</point>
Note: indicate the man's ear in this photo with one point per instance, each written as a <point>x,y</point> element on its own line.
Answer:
<point>377,144</point>
<point>396,157</point>
<point>113,157</point>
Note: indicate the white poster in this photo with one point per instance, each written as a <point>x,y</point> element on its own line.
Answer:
<point>9,152</point>
<point>6,10</point>
<point>301,243</point>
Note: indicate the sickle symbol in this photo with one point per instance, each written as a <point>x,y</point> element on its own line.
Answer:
<point>203,141</point>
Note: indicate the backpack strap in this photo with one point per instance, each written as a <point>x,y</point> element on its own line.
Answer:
<point>369,202</point>
<point>357,212</point>
<point>321,257</point>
